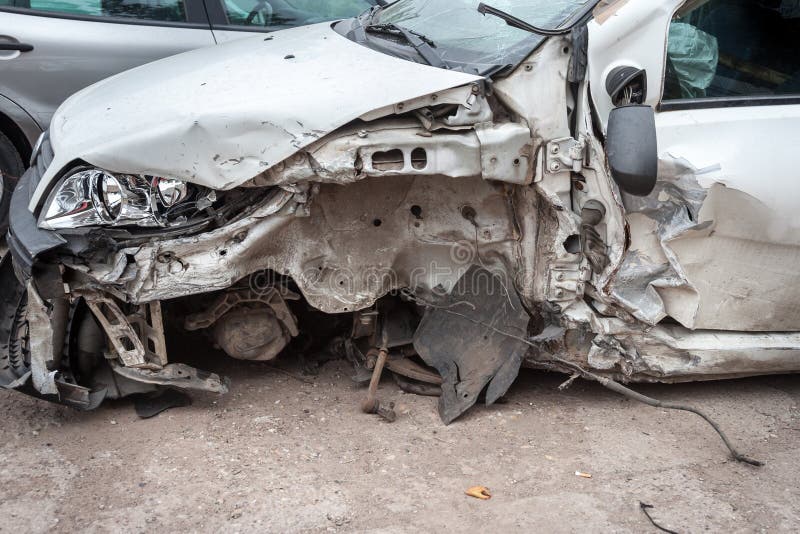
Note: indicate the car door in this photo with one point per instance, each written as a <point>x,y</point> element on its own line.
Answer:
<point>719,238</point>
<point>235,19</point>
<point>50,49</point>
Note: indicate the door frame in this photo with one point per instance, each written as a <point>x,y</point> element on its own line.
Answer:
<point>196,16</point>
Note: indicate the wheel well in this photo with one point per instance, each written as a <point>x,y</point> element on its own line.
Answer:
<point>16,136</point>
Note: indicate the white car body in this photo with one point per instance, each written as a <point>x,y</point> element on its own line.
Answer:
<point>384,175</point>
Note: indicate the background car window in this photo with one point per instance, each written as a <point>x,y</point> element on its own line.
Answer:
<point>277,14</point>
<point>161,10</point>
<point>733,48</point>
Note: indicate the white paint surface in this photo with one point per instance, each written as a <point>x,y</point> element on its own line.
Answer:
<point>221,115</point>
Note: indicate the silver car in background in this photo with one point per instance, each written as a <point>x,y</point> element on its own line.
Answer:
<point>50,49</point>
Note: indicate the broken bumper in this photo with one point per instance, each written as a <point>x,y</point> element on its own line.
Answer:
<point>26,241</point>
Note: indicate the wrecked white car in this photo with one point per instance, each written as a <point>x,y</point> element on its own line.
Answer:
<point>440,188</point>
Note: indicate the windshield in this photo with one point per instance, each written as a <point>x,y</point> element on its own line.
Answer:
<point>470,41</point>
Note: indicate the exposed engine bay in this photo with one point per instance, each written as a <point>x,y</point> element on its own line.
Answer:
<point>450,237</point>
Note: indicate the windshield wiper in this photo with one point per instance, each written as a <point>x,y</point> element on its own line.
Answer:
<point>514,22</point>
<point>418,42</point>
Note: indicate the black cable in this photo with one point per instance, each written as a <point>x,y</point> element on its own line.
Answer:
<point>617,387</point>
<point>644,507</point>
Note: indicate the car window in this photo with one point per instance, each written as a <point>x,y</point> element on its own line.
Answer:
<point>276,14</point>
<point>733,48</point>
<point>159,10</point>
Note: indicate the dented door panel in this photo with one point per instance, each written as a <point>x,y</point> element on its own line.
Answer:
<point>740,252</point>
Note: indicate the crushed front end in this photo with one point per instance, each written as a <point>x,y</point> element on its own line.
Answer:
<point>447,226</point>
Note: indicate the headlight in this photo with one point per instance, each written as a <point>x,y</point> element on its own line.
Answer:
<point>94,197</point>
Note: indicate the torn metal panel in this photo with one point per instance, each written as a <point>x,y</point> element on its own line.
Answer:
<point>455,96</point>
<point>536,91</point>
<point>715,245</point>
<point>42,334</point>
<point>630,351</point>
<point>651,276</point>
<point>459,337</point>
<point>175,375</point>
<point>674,353</point>
<point>259,116</point>
<point>499,152</point>
<point>357,244</point>
<point>746,275</point>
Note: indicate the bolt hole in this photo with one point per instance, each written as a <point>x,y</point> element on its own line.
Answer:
<point>377,222</point>
<point>516,162</point>
<point>566,50</point>
<point>341,282</point>
<point>416,211</point>
<point>572,244</point>
<point>469,213</point>
<point>223,253</point>
<point>419,158</point>
<point>416,224</point>
<point>390,160</point>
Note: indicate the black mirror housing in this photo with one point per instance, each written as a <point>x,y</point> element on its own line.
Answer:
<point>632,149</point>
<point>627,85</point>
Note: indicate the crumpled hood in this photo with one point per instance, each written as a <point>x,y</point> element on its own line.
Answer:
<point>219,116</point>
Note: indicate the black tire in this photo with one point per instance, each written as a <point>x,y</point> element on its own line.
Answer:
<point>15,359</point>
<point>14,354</point>
<point>11,169</point>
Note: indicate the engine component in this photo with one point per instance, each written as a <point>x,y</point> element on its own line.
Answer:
<point>251,333</point>
<point>250,324</point>
<point>371,403</point>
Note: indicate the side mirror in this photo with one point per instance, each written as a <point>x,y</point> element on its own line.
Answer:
<point>627,85</point>
<point>632,149</point>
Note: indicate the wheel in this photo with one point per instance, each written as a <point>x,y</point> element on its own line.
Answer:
<point>15,356</point>
<point>11,168</point>
<point>14,347</point>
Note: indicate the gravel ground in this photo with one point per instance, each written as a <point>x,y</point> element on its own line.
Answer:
<point>287,453</point>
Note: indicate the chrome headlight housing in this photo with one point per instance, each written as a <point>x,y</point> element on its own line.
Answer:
<point>94,197</point>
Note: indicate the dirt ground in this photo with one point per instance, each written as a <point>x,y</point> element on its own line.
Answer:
<point>284,454</point>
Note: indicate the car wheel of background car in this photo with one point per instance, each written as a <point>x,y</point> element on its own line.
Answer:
<point>11,168</point>
<point>14,348</point>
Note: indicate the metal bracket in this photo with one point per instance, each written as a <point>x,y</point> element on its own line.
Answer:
<point>138,338</point>
<point>567,280</point>
<point>566,154</point>
<point>176,375</point>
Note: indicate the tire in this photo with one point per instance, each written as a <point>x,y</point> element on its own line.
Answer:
<point>14,354</point>
<point>11,169</point>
